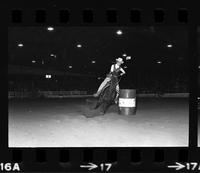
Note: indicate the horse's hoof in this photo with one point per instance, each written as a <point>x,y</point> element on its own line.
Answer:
<point>102,113</point>
<point>95,107</point>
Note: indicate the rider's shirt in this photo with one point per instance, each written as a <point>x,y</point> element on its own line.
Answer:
<point>115,69</point>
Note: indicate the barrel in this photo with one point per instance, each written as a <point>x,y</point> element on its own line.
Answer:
<point>127,102</point>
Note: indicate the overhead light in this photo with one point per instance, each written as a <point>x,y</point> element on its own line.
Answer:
<point>42,61</point>
<point>53,55</point>
<point>48,76</point>
<point>128,57</point>
<point>169,45</point>
<point>50,28</point>
<point>124,54</point>
<point>33,61</point>
<point>99,78</point>
<point>199,67</point>
<point>79,45</point>
<point>119,32</point>
<point>159,62</point>
<point>70,66</point>
<point>93,62</point>
<point>20,45</point>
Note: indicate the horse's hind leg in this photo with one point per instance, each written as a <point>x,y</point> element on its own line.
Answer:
<point>97,105</point>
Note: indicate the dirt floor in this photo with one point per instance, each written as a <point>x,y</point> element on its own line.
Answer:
<point>63,123</point>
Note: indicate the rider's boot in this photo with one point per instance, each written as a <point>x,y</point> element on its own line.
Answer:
<point>96,94</point>
<point>116,98</point>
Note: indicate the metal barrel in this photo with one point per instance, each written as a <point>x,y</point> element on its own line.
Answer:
<point>127,102</point>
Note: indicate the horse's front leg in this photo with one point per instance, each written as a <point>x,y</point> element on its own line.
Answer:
<point>106,105</point>
<point>97,104</point>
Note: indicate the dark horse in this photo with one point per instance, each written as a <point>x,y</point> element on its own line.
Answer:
<point>107,95</point>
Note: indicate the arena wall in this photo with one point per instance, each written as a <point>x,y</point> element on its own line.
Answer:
<point>80,94</point>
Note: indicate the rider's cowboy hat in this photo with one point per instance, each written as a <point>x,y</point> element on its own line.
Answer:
<point>120,60</point>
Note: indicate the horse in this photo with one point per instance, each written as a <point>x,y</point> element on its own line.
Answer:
<point>107,95</point>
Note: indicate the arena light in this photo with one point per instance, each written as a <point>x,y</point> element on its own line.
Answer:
<point>169,45</point>
<point>48,76</point>
<point>20,45</point>
<point>33,61</point>
<point>128,57</point>
<point>159,62</point>
<point>119,32</point>
<point>50,28</point>
<point>53,55</point>
<point>70,66</point>
<point>124,54</point>
<point>199,67</point>
<point>93,62</point>
<point>79,45</point>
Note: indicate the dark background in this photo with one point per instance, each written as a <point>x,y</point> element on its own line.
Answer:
<point>146,46</point>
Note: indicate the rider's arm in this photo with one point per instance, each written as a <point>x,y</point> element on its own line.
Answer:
<point>122,70</point>
<point>112,68</point>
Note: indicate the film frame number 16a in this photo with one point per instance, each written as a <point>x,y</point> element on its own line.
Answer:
<point>8,167</point>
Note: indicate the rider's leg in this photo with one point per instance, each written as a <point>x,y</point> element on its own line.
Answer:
<point>106,80</point>
<point>117,95</point>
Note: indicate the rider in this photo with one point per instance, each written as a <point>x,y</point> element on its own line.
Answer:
<point>114,70</point>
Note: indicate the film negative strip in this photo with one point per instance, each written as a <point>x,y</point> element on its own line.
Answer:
<point>100,87</point>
